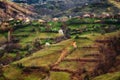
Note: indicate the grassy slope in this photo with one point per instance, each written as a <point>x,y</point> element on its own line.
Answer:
<point>54,49</point>
<point>49,53</point>
<point>59,76</point>
<point>13,73</point>
<point>109,76</point>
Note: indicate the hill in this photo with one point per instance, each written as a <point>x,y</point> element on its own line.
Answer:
<point>11,10</point>
<point>109,76</point>
<point>58,8</point>
<point>28,58</point>
<point>95,8</point>
<point>74,8</point>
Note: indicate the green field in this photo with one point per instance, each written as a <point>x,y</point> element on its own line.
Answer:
<point>73,59</point>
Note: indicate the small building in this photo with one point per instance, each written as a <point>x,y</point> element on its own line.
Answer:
<point>55,19</point>
<point>41,21</point>
<point>70,17</point>
<point>86,4</point>
<point>98,21</point>
<point>64,19</point>
<point>77,17</point>
<point>61,32</point>
<point>105,15</point>
<point>27,20</point>
<point>47,44</point>
<point>93,15</point>
<point>10,19</point>
<point>86,15</point>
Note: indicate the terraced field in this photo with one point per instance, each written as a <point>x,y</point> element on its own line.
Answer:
<point>83,52</point>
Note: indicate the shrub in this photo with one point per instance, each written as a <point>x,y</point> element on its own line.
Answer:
<point>20,65</point>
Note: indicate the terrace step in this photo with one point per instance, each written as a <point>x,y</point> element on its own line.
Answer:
<point>92,55</point>
<point>89,47</point>
<point>35,69</point>
<point>57,69</point>
<point>83,60</point>
<point>104,41</point>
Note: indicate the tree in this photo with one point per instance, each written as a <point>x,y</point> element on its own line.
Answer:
<point>36,43</point>
<point>66,30</point>
<point>2,77</point>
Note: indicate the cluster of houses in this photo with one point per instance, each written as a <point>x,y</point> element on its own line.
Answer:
<point>65,18</point>
<point>103,15</point>
<point>25,19</point>
<point>86,15</point>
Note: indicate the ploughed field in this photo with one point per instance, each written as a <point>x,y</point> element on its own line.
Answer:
<point>88,48</point>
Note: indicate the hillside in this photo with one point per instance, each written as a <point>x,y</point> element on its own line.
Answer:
<point>74,8</point>
<point>66,40</point>
<point>68,2</point>
<point>109,76</point>
<point>9,9</point>
<point>85,49</point>
<point>95,8</point>
<point>58,8</point>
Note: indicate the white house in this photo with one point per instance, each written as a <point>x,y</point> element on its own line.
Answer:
<point>86,15</point>
<point>47,44</point>
<point>55,19</point>
<point>41,21</point>
<point>27,20</point>
<point>64,18</point>
<point>10,19</point>
<point>61,32</point>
